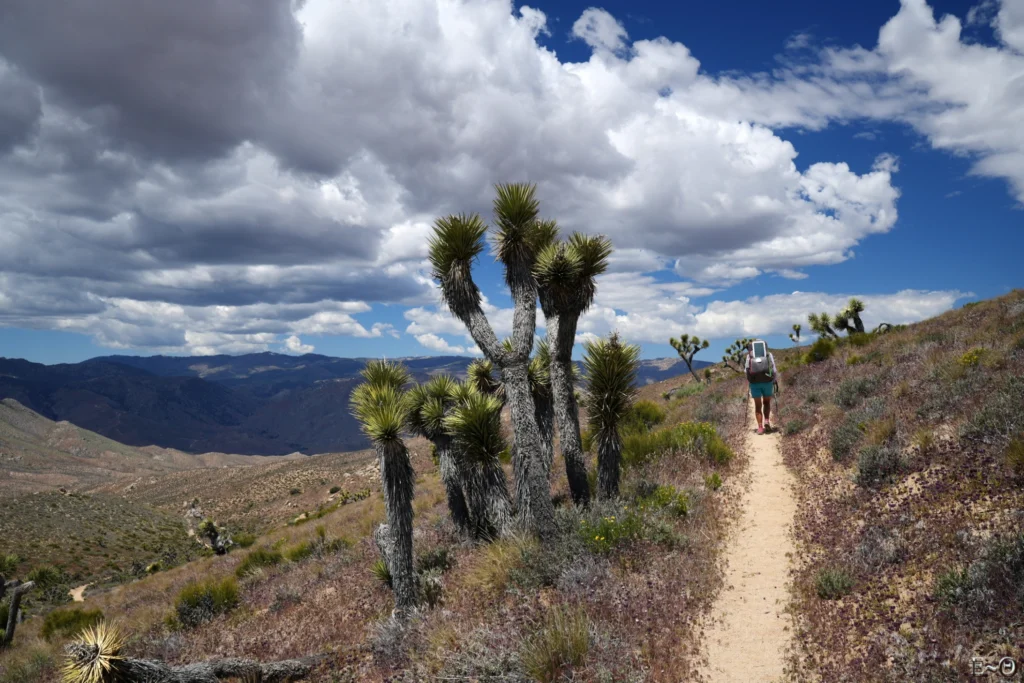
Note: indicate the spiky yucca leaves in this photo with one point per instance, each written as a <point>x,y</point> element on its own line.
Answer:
<point>456,242</point>
<point>95,656</point>
<point>480,375</point>
<point>383,411</point>
<point>687,347</point>
<point>475,426</point>
<point>611,370</point>
<point>848,320</point>
<point>821,324</point>
<point>557,271</point>
<point>429,404</point>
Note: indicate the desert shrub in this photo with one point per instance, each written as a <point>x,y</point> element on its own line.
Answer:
<point>993,581</point>
<point>499,559</point>
<point>843,439</point>
<point>710,409</point>
<point>244,539</point>
<point>713,481</point>
<point>381,571</point>
<point>1015,458</point>
<point>872,409</point>
<point>821,350</point>
<point>999,415</point>
<point>257,560</point>
<point>813,397</point>
<point>854,359</point>
<point>295,491</point>
<point>437,558</point>
<point>8,563</point>
<point>877,464</point>
<point>685,391</point>
<point>878,548</point>
<point>642,416</point>
<point>833,583</point>
<point>335,489</point>
<point>69,622</point>
<point>793,427</point>
<point>971,358</point>
<point>697,438</point>
<point>924,441</point>
<point>668,498</point>
<point>199,602</point>
<point>1018,344</point>
<point>602,534</point>
<point>431,588</point>
<point>881,431</point>
<point>46,577</point>
<point>859,339</point>
<point>30,666</point>
<point>901,390</point>
<point>299,552</point>
<point>561,643</point>
<point>852,391</point>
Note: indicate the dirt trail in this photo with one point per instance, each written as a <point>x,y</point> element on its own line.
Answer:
<point>78,594</point>
<point>750,630</point>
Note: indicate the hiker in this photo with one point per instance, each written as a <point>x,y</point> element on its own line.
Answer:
<point>762,377</point>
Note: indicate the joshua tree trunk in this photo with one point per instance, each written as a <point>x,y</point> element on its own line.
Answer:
<point>452,478</point>
<point>545,414</point>
<point>533,493</point>
<point>152,671</point>
<point>397,478</point>
<point>18,590</point>
<point>563,333</point>
<point>858,324</point>
<point>609,455</point>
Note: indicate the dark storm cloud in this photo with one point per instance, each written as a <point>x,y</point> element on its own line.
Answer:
<point>180,78</point>
<point>20,108</point>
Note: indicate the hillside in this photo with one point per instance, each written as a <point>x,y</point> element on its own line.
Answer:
<point>259,404</point>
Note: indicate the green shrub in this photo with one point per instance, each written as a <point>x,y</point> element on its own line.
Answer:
<point>924,440</point>
<point>244,539</point>
<point>793,427</point>
<point>972,358</point>
<point>821,350</point>
<point>28,666</point>
<point>1000,415</point>
<point>642,416</point>
<point>859,339</point>
<point>833,583</point>
<point>851,391</point>
<point>854,360</point>
<point>1015,457</point>
<point>713,481</point>
<point>606,532</point>
<point>256,560</point>
<point>668,498</point>
<point>8,563</point>
<point>561,643</point>
<point>993,582</point>
<point>335,489</point>
<point>438,558</point>
<point>709,408</point>
<point>69,622</point>
<point>843,439</point>
<point>697,438</point>
<point>299,552</point>
<point>877,464</point>
<point>381,572</point>
<point>46,577</point>
<point>199,602</point>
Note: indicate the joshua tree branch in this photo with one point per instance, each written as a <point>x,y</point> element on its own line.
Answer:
<point>18,590</point>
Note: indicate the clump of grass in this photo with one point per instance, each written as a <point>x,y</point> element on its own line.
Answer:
<point>877,464</point>
<point>1015,458</point>
<point>601,535</point>
<point>713,481</point>
<point>852,391</point>
<point>257,560</point>
<point>642,416</point>
<point>438,558</point>
<point>924,441</point>
<point>68,622</point>
<point>381,572</point>
<point>854,359</point>
<point>879,547</point>
<point>668,498</point>
<point>901,390</point>
<point>843,439</point>
<point>833,583</point>
<point>8,563</point>
<point>491,573</point>
<point>821,350</point>
<point>699,438</point>
<point>561,643</point>
<point>199,602</point>
<point>859,339</point>
<point>46,577</point>
<point>881,431</point>
<point>299,552</point>
<point>793,427</point>
<point>244,539</point>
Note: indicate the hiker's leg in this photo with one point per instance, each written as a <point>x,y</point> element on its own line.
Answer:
<point>767,409</point>
<point>757,412</point>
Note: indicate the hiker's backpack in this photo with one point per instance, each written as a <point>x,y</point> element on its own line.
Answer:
<point>759,366</point>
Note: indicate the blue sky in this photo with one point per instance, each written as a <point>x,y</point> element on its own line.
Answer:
<point>290,215</point>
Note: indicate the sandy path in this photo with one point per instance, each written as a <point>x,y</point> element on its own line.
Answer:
<point>78,594</point>
<point>750,630</point>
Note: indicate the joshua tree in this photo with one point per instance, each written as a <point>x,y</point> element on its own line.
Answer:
<point>219,540</point>
<point>429,404</point>
<point>382,409</point>
<point>567,276</point>
<point>611,369</point>
<point>475,426</point>
<point>848,320</point>
<point>794,336</point>
<point>687,347</point>
<point>519,236</point>
<point>821,323</point>
<point>733,358</point>
<point>18,591</point>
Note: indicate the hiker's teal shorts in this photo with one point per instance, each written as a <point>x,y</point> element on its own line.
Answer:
<point>760,389</point>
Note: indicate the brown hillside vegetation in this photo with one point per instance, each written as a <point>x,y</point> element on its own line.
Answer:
<point>614,598</point>
<point>908,450</point>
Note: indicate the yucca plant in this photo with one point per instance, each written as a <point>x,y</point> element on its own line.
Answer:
<point>566,274</point>
<point>429,404</point>
<point>95,657</point>
<point>519,236</point>
<point>611,370</point>
<point>383,408</point>
<point>475,427</point>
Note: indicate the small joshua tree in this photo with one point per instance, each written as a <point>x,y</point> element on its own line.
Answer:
<point>519,236</point>
<point>733,358</point>
<point>219,540</point>
<point>382,409</point>
<point>794,336</point>
<point>611,370</point>
<point>429,404</point>
<point>474,424</point>
<point>821,324</point>
<point>566,274</point>
<point>687,347</point>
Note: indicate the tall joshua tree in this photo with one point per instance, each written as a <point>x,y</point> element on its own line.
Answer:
<point>611,370</point>
<point>429,404</point>
<point>518,237</point>
<point>848,319</point>
<point>821,324</point>
<point>475,426</point>
<point>687,347</point>
<point>382,408</point>
<point>567,273</point>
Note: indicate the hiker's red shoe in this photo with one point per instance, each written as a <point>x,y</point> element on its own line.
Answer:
<point>760,430</point>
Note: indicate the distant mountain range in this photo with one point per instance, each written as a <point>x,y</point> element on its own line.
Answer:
<point>253,404</point>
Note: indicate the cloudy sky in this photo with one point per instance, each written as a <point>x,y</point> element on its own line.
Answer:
<point>248,175</point>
